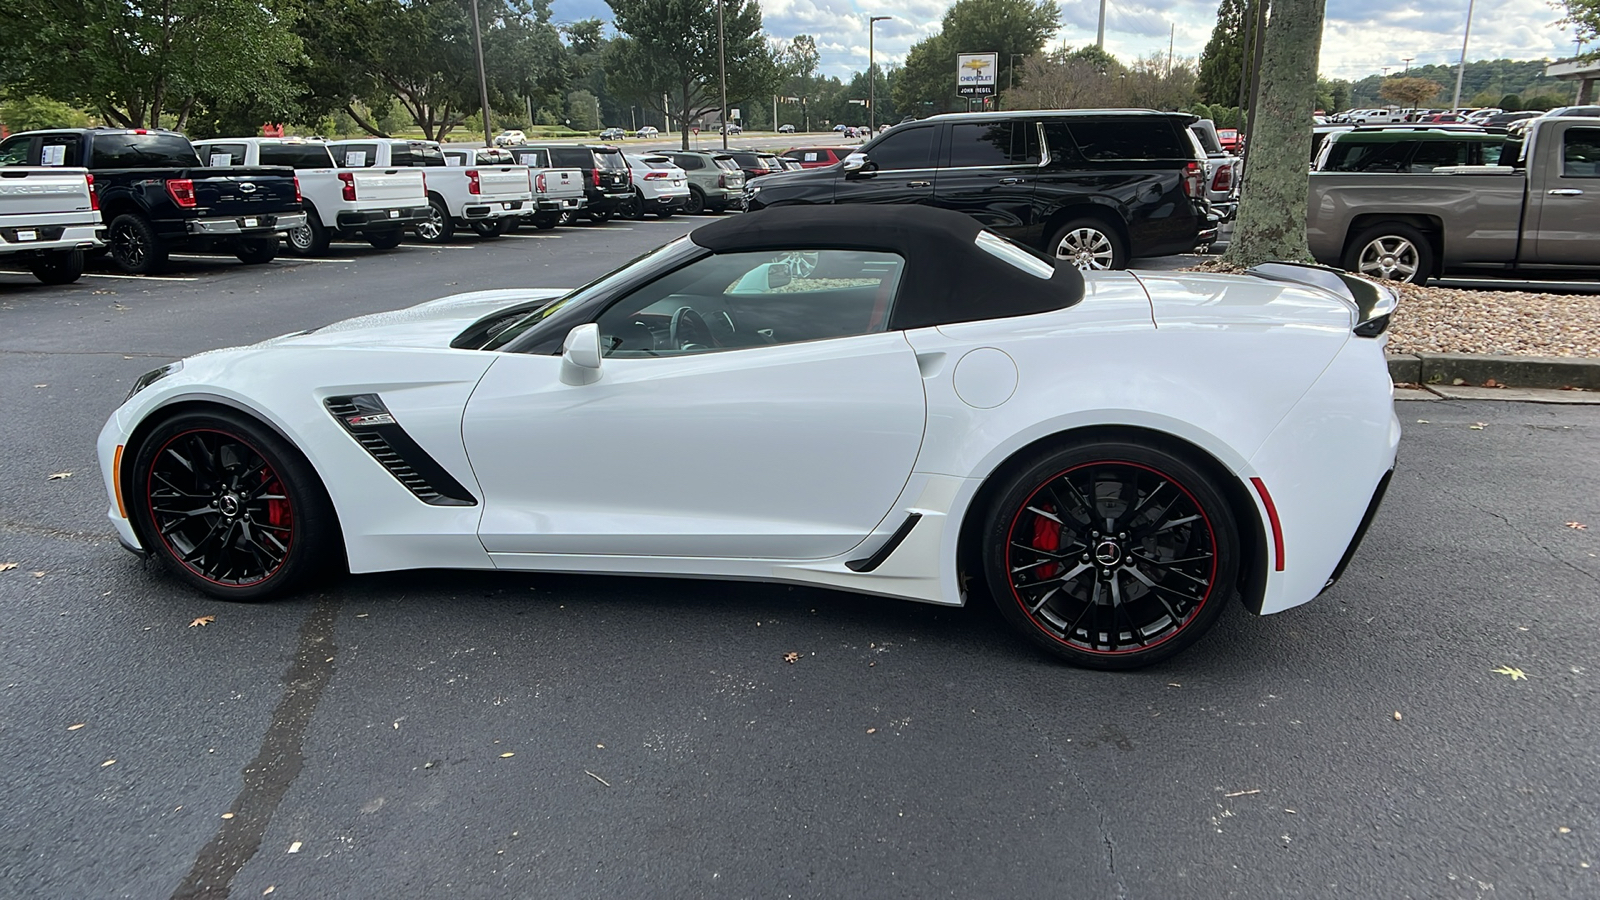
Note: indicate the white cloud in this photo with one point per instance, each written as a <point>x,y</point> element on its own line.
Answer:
<point>1361,37</point>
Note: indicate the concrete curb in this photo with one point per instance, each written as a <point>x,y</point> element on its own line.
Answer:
<point>1509,371</point>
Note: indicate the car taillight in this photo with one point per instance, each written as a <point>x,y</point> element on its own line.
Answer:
<point>297,197</point>
<point>347,182</point>
<point>652,176</point>
<point>182,192</point>
<point>1223,180</point>
<point>94,195</point>
<point>722,180</point>
<point>596,173</point>
<point>1194,179</point>
<point>538,183</point>
<point>473,185</point>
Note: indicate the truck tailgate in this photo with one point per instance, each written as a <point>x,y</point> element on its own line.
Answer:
<point>495,181</point>
<point>245,191</point>
<point>559,184</point>
<point>44,196</point>
<point>391,185</point>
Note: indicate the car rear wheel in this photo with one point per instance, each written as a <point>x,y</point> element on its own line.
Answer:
<point>135,246</point>
<point>310,239</point>
<point>1090,244</point>
<point>489,228</point>
<point>695,203</point>
<point>1111,555</point>
<point>438,227</point>
<point>255,251</point>
<point>58,267</point>
<point>598,217</point>
<point>1391,252</point>
<point>665,212</point>
<point>229,507</point>
<point>386,240</point>
<point>547,221</point>
<point>631,208</point>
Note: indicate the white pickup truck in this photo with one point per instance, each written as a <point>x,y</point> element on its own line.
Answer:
<point>48,217</point>
<point>376,205</point>
<point>479,197</point>
<point>558,194</point>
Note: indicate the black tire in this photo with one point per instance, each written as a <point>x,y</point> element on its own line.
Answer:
<point>58,267</point>
<point>547,221</point>
<point>255,251</point>
<point>386,240</point>
<point>488,229</point>
<point>1133,594</point>
<point>631,208</point>
<point>1391,251</point>
<point>695,203</point>
<point>566,217</point>
<point>135,246</point>
<point>598,217</point>
<point>311,239</point>
<point>666,212</point>
<point>233,510</point>
<point>438,228</point>
<point>1091,243</point>
<point>511,225</point>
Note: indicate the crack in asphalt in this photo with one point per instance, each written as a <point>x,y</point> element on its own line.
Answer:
<point>267,777</point>
<point>88,537</point>
<point>1100,825</point>
<point>1530,539</point>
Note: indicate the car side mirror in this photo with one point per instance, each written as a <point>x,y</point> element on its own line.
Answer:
<point>778,275</point>
<point>856,163</point>
<point>580,355</point>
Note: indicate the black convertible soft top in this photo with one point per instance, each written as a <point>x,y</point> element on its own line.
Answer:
<point>948,277</point>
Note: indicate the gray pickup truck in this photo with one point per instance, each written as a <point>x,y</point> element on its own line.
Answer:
<point>1539,210</point>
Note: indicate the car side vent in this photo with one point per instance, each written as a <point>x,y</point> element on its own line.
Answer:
<point>372,425</point>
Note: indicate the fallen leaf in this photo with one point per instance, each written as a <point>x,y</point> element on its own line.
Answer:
<point>270,889</point>
<point>1564,830</point>
<point>294,847</point>
<point>38,574</point>
<point>791,657</point>
<point>1575,526</point>
<point>1458,381</point>
<point>1397,715</point>
<point>59,476</point>
<point>227,815</point>
<point>1477,426</point>
<point>107,763</point>
<point>1243,793</point>
<point>5,566</point>
<point>1491,383</point>
<point>507,755</point>
<point>872,731</point>
<point>77,726</point>
<point>41,385</point>
<point>1515,673</point>
<point>601,746</point>
<point>1424,422</point>
<point>597,778</point>
<point>203,620</point>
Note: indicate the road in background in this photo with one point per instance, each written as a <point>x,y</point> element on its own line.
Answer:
<point>483,735</point>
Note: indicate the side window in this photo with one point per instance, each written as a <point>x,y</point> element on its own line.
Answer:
<point>14,152</point>
<point>1360,156</point>
<point>977,144</point>
<point>730,301</point>
<point>59,150</point>
<point>1431,155</point>
<point>455,157</point>
<point>1133,137</point>
<point>1580,153</point>
<point>689,163</point>
<point>356,156</point>
<point>1489,154</point>
<point>1058,140</point>
<point>572,157</point>
<point>910,148</point>
<point>222,154</point>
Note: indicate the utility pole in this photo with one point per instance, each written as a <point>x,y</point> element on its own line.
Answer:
<point>1172,37</point>
<point>1100,39</point>
<point>483,83</point>
<point>1462,69</point>
<point>722,73</point>
<point>1407,60</point>
<point>872,74</point>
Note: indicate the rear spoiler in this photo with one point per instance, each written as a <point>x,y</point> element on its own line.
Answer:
<point>1374,302</point>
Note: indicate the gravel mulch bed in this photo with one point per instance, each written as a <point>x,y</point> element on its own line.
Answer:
<point>1448,320</point>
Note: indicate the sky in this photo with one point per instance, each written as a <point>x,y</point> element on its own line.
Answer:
<point>1361,37</point>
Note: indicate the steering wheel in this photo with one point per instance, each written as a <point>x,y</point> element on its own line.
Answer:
<point>687,323</point>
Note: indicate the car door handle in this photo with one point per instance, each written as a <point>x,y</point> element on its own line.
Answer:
<point>1011,181</point>
<point>1565,192</point>
<point>919,184</point>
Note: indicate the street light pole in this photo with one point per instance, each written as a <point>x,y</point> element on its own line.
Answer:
<point>872,75</point>
<point>1462,69</point>
<point>483,83</point>
<point>722,73</point>
<point>1100,40</point>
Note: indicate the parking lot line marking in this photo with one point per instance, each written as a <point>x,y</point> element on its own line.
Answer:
<point>534,237</point>
<point>142,277</point>
<point>301,259</point>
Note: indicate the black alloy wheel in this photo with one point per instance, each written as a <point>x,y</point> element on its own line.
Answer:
<point>1112,555</point>
<point>229,507</point>
<point>135,246</point>
<point>695,203</point>
<point>600,217</point>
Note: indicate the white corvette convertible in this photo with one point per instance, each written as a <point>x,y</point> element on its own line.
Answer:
<point>882,400</point>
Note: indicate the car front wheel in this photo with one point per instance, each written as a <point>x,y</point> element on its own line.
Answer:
<point>229,507</point>
<point>1111,555</point>
<point>1391,252</point>
<point>695,203</point>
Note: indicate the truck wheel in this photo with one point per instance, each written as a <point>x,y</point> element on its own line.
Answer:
<point>695,203</point>
<point>438,227</point>
<point>489,228</point>
<point>547,221</point>
<point>135,246</point>
<point>310,239</point>
<point>1391,251</point>
<point>386,240</point>
<point>596,217</point>
<point>58,267</point>
<point>255,251</point>
<point>1090,244</point>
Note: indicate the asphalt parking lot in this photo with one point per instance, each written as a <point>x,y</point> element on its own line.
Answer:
<point>478,735</point>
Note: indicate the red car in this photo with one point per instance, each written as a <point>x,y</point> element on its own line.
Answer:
<point>1442,118</point>
<point>1229,139</point>
<point>817,157</point>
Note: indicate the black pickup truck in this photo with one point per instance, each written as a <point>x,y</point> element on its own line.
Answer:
<point>156,196</point>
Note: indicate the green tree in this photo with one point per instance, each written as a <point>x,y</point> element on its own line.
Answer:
<point>1222,60</point>
<point>30,112</point>
<point>1272,207</point>
<point>583,111</point>
<point>798,61</point>
<point>1510,103</point>
<point>133,63</point>
<point>670,47</point>
<point>1333,95</point>
<point>1409,92</point>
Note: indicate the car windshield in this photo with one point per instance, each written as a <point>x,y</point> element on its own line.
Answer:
<point>676,249</point>
<point>611,159</point>
<point>133,150</point>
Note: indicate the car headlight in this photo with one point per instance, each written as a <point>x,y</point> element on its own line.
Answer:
<point>153,376</point>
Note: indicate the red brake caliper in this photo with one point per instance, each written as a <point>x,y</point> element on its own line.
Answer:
<point>277,510</point>
<point>1047,536</point>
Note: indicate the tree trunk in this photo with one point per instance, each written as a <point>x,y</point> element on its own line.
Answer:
<point>360,120</point>
<point>1272,202</point>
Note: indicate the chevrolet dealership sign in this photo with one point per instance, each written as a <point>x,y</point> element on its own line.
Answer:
<point>976,73</point>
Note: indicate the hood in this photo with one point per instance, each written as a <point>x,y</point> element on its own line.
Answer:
<point>431,324</point>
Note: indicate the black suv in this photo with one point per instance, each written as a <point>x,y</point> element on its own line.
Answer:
<point>607,182</point>
<point>1095,186</point>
